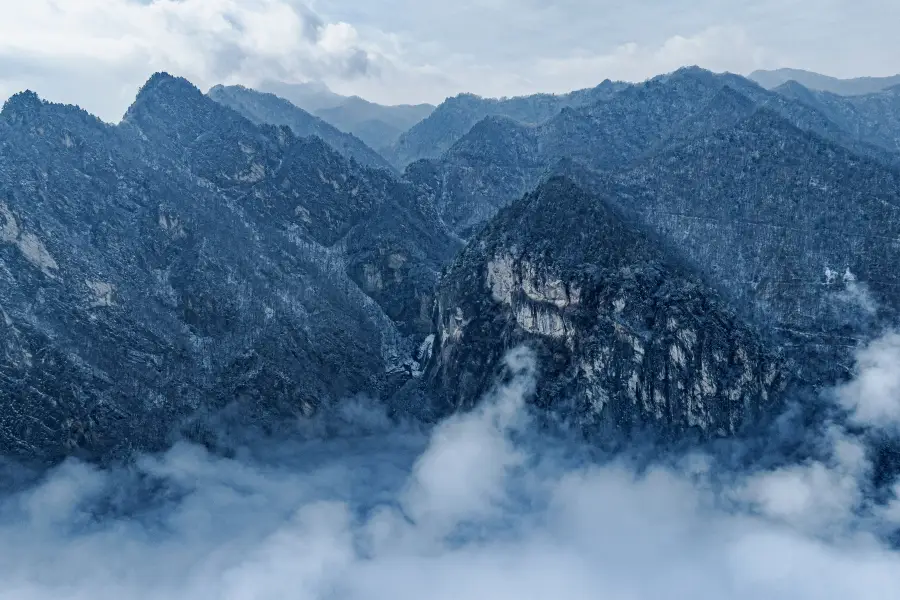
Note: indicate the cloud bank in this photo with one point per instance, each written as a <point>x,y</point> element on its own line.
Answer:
<point>482,506</point>
<point>67,50</point>
<point>97,53</point>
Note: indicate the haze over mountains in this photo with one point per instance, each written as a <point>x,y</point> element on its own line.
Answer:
<point>823,83</point>
<point>377,125</point>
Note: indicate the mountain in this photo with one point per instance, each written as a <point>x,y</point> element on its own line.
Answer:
<point>814,81</point>
<point>377,125</point>
<point>790,227</point>
<point>498,161</point>
<point>455,116</point>
<point>628,338</point>
<point>270,109</point>
<point>873,118</point>
<point>773,241</point>
<point>189,265</point>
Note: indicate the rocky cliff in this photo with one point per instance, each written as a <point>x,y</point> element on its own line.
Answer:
<point>628,338</point>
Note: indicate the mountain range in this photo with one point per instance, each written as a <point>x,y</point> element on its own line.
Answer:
<point>858,86</point>
<point>682,254</point>
<point>377,125</point>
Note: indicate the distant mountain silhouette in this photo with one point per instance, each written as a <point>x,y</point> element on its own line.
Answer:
<point>824,83</point>
<point>377,125</point>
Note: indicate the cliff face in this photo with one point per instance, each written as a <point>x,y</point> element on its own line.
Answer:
<point>188,260</point>
<point>629,339</point>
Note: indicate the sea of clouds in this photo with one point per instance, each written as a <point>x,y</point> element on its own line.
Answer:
<point>357,505</point>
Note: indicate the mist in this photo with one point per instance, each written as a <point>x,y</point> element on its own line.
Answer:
<point>353,504</point>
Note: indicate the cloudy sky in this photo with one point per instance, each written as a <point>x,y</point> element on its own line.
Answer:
<point>96,53</point>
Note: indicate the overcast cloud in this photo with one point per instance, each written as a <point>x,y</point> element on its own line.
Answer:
<point>96,53</point>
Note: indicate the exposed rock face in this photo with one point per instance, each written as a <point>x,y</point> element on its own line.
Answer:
<point>455,116</point>
<point>795,232</point>
<point>188,260</point>
<point>628,339</point>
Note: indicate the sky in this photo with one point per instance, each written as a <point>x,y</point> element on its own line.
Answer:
<point>97,53</point>
<point>355,506</point>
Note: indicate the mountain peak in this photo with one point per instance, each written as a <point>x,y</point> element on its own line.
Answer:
<point>164,83</point>
<point>163,89</point>
<point>22,104</point>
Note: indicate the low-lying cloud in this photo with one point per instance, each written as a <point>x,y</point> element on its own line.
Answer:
<point>356,505</point>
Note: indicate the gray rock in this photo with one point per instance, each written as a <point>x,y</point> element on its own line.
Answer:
<point>629,339</point>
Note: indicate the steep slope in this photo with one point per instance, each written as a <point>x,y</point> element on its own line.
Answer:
<point>377,125</point>
<point>186,261</point>
<point>873,118</point>
<point>797,232</point>
<point>455,116</point>
<point>629,339</point>
<point>776,244</point>
<point>844,87</point>
<point>495,161</point>
<point>272,110</point>
<point>634,123</point>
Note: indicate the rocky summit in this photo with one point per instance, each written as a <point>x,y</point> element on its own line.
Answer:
<point>681,254</point>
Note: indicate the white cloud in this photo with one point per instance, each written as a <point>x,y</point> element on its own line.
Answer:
<point>481,507</point>
<point>50,45</point>
<point>873,397</point>
<point>717,48</point>
<point>98,52</point>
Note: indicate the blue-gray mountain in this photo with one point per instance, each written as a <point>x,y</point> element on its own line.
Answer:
<point>630,338</point>
<point>679,252</point>
<point>785,226</point>
<point>377,125</point>
<point>499,159</point>
<point>845,87</point>
<point>187,261</point>
<point>455,116</point>
<point>272,110</point>
<point>872,118</point>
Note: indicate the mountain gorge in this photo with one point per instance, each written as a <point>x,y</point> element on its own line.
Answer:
<point>681,254</point>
